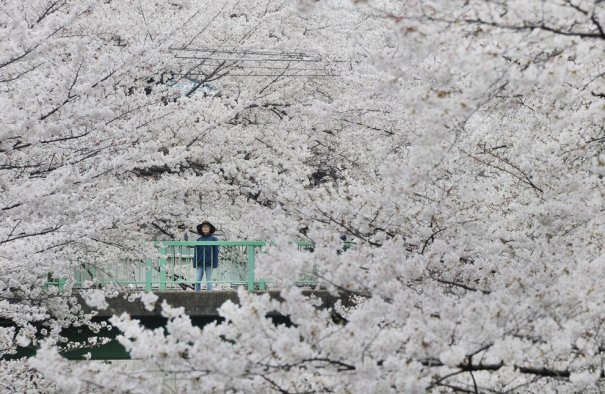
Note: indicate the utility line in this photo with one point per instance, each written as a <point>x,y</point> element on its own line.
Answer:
<point>247,60</point>
<point>242,51</point>
<point>262,67</point>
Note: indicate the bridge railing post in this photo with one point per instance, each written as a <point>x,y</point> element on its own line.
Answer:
<point>162,268</point>
<point>148,274</point>
<point>250,267</point>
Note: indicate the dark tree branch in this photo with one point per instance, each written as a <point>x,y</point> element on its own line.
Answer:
<point>461,285</point>
<point>516,171</point>
<point>431,238</point>
<point>15,59</point>
<point>163,231</point>
<point>275,385</point>
<point>61,139</point>
<point>9,239</point>
<point>19,75</point>
<point>526,26</point>
<point>12,206</point>
<point>370,127</point>
<point>52,7</point>
<point>69,95</point>
<point>351,230</point>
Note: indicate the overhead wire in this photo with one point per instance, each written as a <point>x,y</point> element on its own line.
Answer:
<point>244,59</point>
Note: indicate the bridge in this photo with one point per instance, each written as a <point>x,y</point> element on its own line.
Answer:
<point>171,276</point>
<point>172,268</point>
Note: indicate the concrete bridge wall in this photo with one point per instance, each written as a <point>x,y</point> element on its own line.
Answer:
<point>203,304</point>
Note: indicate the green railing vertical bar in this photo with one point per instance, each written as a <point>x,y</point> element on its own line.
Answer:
<point>162,268</point>
<point>78,273</point>
<point>250,267</point>
<point>148,274</point>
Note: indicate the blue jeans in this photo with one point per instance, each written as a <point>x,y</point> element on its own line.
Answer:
<point>199,274</point>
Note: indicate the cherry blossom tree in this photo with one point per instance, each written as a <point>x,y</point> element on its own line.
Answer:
<point>73,78</point>
<point>461,146</point>
<point>101,152</point>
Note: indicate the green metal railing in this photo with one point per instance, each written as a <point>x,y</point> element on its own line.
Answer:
<point>173,269</point>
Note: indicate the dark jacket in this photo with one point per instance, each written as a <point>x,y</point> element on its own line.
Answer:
<point>206,253</point>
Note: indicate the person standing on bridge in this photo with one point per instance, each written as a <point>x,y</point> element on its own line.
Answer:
<point>205,257</point>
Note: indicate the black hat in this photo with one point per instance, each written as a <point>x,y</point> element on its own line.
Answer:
<point>212,228</point>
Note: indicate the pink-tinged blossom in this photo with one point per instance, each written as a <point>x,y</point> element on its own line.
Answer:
<point>458,143</point>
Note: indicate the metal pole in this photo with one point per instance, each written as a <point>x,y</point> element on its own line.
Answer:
<point>162,268</point>
<point>148,274</point>
<point>250,267</point>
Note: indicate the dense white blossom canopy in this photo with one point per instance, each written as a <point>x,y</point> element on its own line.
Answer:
<point>459,142</point>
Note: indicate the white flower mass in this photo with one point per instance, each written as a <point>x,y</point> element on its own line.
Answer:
<point>458,143</point>
<point>95,298</point>
<point>149,299</point>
